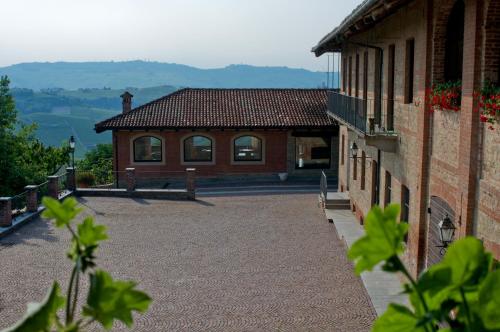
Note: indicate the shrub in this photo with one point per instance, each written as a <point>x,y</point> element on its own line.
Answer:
<point>85,179</point>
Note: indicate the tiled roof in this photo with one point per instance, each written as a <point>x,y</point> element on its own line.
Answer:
<point>227,108</point>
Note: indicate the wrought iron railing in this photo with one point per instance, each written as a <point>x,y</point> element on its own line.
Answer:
<point>365,115</point>
<point>351,110</point>
<point>18,204</point>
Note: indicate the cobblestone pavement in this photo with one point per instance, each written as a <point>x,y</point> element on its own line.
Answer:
<point>250,263</point>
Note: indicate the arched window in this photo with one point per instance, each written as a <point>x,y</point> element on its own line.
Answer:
<point>147,148</point>
<point>453,58</point>
<point>197,148</point>
<point>247,148</point>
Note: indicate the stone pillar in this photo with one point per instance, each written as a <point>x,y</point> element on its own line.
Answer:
<point>5,212</point>
<point>130,179</point>
<point>191,182</point>
<point>31,198</point>
<point>71,178</point>
<point>53,186</point>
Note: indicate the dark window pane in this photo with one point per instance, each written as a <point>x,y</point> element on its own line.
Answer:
<point>388,188</point>
<point>312,152</point>
<point>198,148</point>
<point>147,148</point>
<point>247,148</point>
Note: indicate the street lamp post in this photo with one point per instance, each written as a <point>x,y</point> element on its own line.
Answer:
<point>72,149</point>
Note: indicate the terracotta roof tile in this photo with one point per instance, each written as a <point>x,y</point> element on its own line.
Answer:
<point>227,108</point>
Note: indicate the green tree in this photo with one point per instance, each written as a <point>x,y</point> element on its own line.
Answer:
<point>98,163</point>
<point>23,158</point>
<point>459,294</point>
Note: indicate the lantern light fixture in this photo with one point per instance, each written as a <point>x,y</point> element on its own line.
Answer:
<point>446,233</point>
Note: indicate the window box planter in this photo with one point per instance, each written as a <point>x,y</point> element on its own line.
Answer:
<point>488,103</point>
<point>445,96</point>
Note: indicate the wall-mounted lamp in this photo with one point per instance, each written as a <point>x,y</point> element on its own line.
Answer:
<point>446,233</point>
<point>354,150</point>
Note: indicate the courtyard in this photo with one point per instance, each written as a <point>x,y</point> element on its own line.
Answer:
<point>240,263</point>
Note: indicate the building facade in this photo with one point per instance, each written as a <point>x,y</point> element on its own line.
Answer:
<point>395,145</point>
<point>226,132</point>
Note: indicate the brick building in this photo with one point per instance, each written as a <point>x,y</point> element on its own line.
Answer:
<point>226,132</point>
<point>433,163</point>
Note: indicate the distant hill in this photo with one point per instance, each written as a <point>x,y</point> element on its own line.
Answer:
<point>61,113</point>
<point>119,75</point>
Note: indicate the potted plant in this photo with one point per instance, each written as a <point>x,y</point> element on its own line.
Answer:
<point>445,96</point>
<point>85,179</point>
<point>283,176</point>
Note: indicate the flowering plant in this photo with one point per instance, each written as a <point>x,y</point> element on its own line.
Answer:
<point>488,101</point>
<point>445,96</point>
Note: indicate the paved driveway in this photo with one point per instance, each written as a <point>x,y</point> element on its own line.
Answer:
<point>247,263</point>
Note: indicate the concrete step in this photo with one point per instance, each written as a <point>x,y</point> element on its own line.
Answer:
<point>337,204</point>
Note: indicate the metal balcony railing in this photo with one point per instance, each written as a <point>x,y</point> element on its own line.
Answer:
<point>348,109</point>
<point>365,115</point>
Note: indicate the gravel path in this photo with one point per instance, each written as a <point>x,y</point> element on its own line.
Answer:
<point>250,263</point>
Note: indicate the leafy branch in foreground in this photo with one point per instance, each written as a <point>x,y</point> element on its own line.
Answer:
<point>107,299</point>
<point>461,293</point>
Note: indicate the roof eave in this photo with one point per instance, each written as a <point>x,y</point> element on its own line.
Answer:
<point>100,129</point>
<point>367,14</point>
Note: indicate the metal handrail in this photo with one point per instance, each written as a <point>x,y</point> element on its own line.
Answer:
<point>323,185</point>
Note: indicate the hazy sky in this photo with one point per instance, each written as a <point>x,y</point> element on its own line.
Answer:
<point>202,33</point>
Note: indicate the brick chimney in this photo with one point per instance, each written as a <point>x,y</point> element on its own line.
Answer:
<point>126,102</point>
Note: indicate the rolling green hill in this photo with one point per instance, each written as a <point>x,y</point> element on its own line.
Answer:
<point>68,98</point>
<point>61,113</point>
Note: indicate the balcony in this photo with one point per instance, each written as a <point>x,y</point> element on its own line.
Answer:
<point>360,116</point>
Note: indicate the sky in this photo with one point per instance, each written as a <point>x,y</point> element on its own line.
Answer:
<point>200,33</point>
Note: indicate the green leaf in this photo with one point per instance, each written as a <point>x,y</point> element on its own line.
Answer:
<point>63,212</point>
<point>397,318</point>
<point>90,234</point>
<point>40,317</point>
<point>434,284</point>
<point>467,261</point>
<point>110,299</point>
<point>384,238</point>
<point>489,300</point>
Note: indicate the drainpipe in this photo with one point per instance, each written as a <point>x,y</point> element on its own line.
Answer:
<point>377,193</point>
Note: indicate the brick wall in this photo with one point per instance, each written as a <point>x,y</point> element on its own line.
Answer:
<point>278,150</point>
<point>445,154</point>
<point>488,191</point>
<point>404,164</point>
<point>275,143</point>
